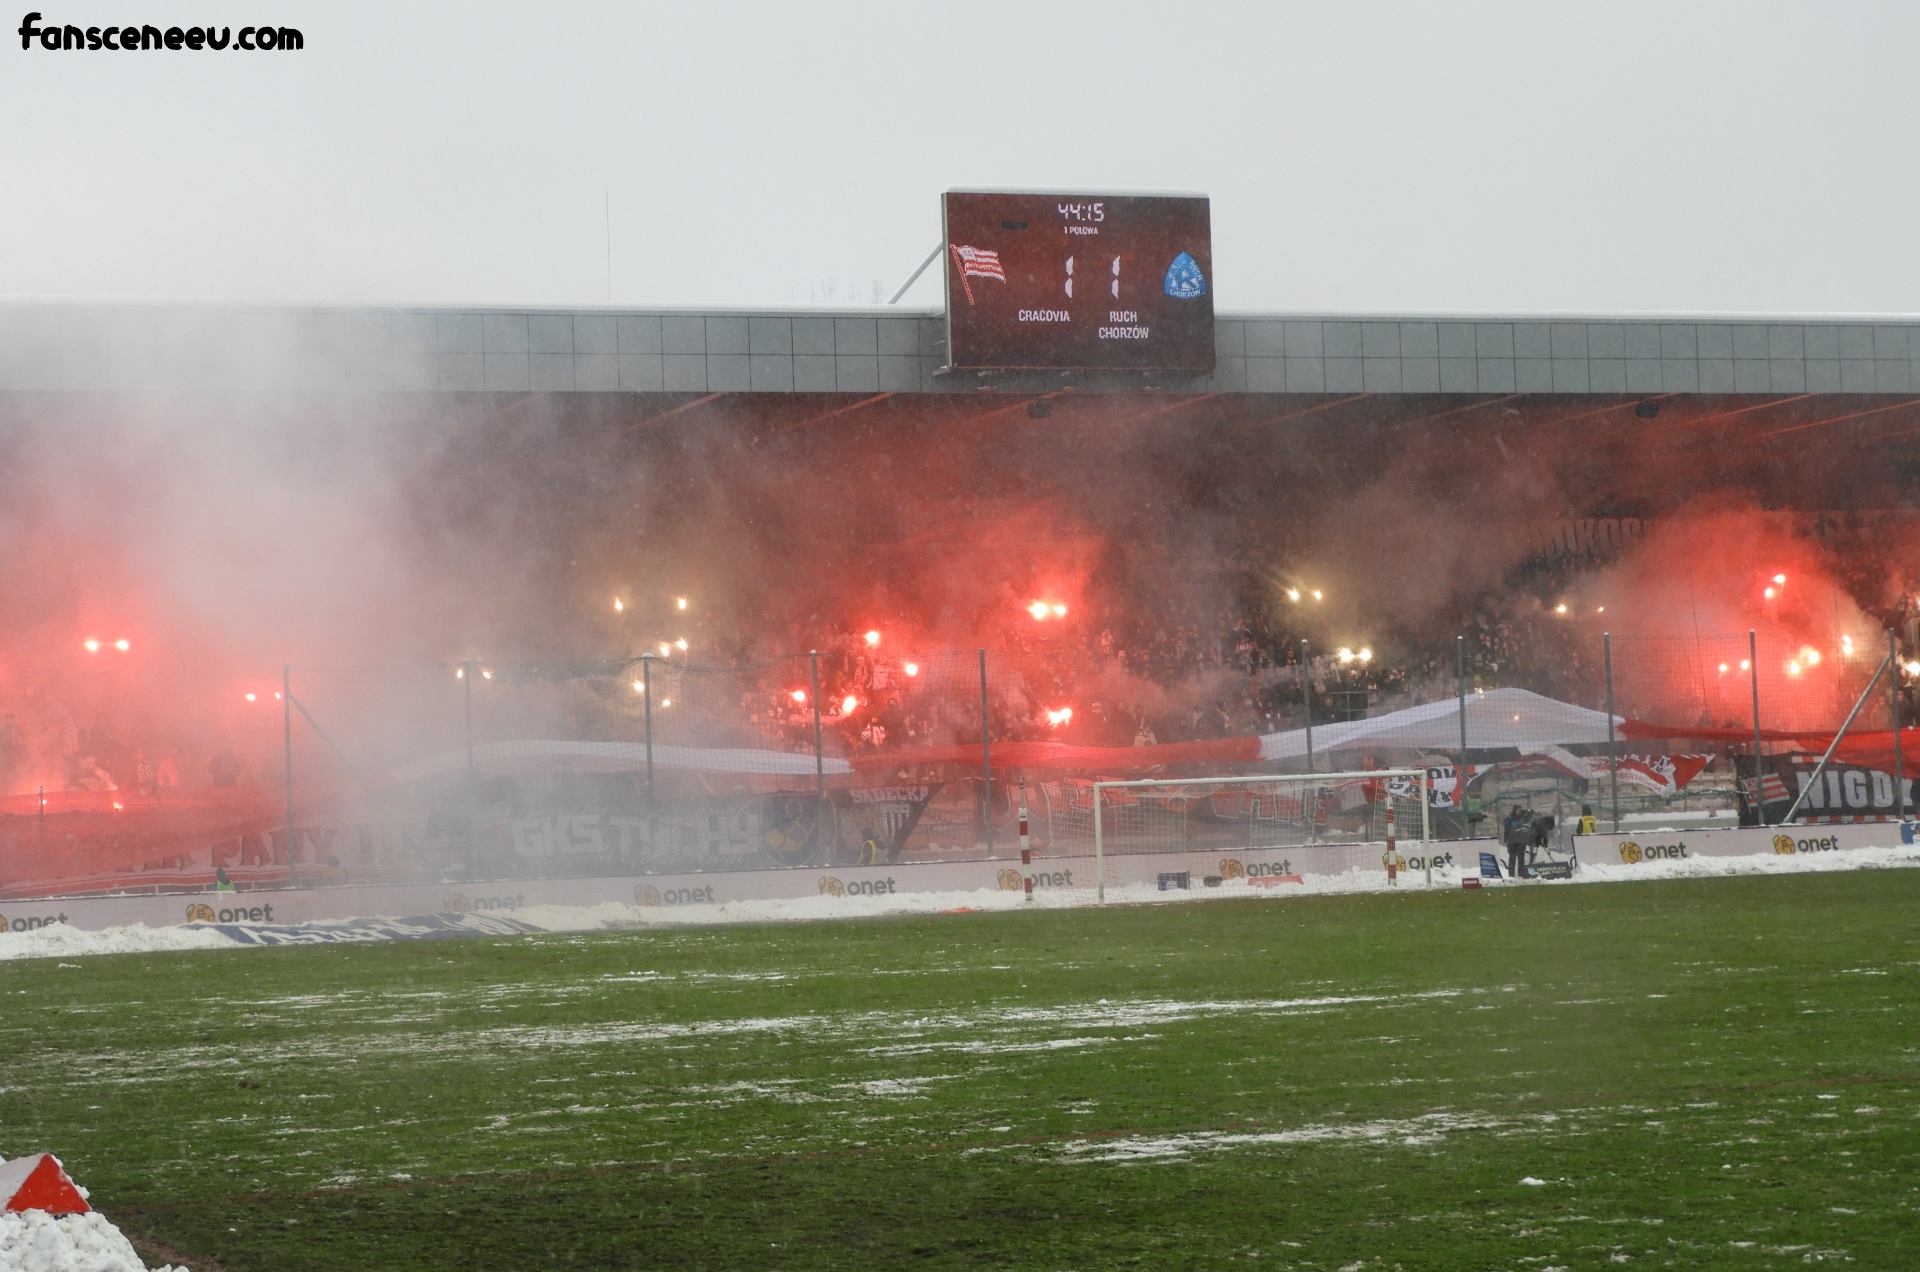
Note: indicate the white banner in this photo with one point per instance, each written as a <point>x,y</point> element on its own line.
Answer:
<point>1673,845</point>
<point>1260,867</point>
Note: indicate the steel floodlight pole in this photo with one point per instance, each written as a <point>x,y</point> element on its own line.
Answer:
<point>473,802</point>
<point>1893,693</point>
<point>1820,769</point>
<point>1460,778</point>
<point>986,756</point>
<point>646,694</point>
<point>359,781</point>
<point>1613,754</point>
<point>1753,669</point>
<point>466,678</point>
<point>819,765</point>
<point>286,714</point>
<point>1099,850</point>
<point>1306,699</point>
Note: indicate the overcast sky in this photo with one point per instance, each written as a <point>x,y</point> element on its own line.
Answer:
<point>1728,157</point>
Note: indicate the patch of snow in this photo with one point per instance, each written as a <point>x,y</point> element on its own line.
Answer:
<point>1793,863</point>
<point>35,1241</point>
<point>898,1086</point>
<point>1415,1131</point>
<point>68,941</point>
<point>616,915</point>
<point>63,940</point>
<point>981,1047</point>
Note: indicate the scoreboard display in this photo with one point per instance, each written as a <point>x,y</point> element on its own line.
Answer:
<point>1078,281</point>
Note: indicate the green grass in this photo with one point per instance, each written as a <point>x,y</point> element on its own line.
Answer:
<point>1708,1074</point>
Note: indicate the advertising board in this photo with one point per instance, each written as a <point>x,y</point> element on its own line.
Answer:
<point>1679,845</point>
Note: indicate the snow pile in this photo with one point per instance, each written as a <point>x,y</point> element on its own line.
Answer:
<point>614,914</point>
<point>1712,867</point>
<point>60,939</point>
<point>35,1241</point>
<point>64,940</point>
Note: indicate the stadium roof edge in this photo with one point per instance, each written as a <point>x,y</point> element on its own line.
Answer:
<point>42,304</point>
<point>95,346</point>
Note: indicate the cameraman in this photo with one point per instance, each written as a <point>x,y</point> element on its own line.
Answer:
<point>1517,832</point>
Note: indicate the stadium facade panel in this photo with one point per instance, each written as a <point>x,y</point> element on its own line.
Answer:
<point>142,348</point>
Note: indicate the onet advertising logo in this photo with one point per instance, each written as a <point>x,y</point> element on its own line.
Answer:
<point>27,923</point>
<point>200,912</point>
<point>833,887</point>
<point>1787,845</point>
<point>134,39</point>
<point>461,903</point>
<point>1631,852</point>
<point>1253,871</point>
<point>648,895</point>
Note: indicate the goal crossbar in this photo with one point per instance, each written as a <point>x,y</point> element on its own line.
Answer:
<point>1422,779</point>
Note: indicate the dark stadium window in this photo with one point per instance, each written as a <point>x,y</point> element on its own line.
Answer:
<point>1906,480</point>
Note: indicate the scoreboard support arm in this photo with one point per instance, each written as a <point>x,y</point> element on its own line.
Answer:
<point>932,256</point>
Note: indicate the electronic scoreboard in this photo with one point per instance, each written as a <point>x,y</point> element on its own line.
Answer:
<point>1078,281</point>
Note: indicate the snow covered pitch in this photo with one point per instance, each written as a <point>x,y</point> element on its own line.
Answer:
<point>1700,1072</point>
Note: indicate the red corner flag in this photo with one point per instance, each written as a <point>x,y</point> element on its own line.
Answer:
<point>39,1182</point>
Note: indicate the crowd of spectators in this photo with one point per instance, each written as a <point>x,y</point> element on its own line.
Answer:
<point>1230,670</point>
<point>1252,665</point>
<point>45,748</point>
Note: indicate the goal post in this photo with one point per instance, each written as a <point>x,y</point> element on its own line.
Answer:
<point>1154,830</point>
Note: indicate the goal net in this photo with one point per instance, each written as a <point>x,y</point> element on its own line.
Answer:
<point>1095,841</point>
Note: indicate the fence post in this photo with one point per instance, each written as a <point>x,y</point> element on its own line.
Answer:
<point>819,765</point>
<point>986,756</point>
<point>1613,754</point>
<point>361,782</point>
<point>1813,783</point>
<point>1753,671</point>
<point>1460,778</point>
<point>286,714</point>
<point>1306,698</point>
<point>1099,852</point>
<point>646,694</point>
<point>1426,821</point>
<point>467,670</point>
<point>466,679</point>
<point>1893,691</point>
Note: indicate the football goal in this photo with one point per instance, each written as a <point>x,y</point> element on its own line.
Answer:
<point>1225,835</point>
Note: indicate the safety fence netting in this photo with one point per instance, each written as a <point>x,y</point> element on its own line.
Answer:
<point>1738,724</point>
<point>858,754</point>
